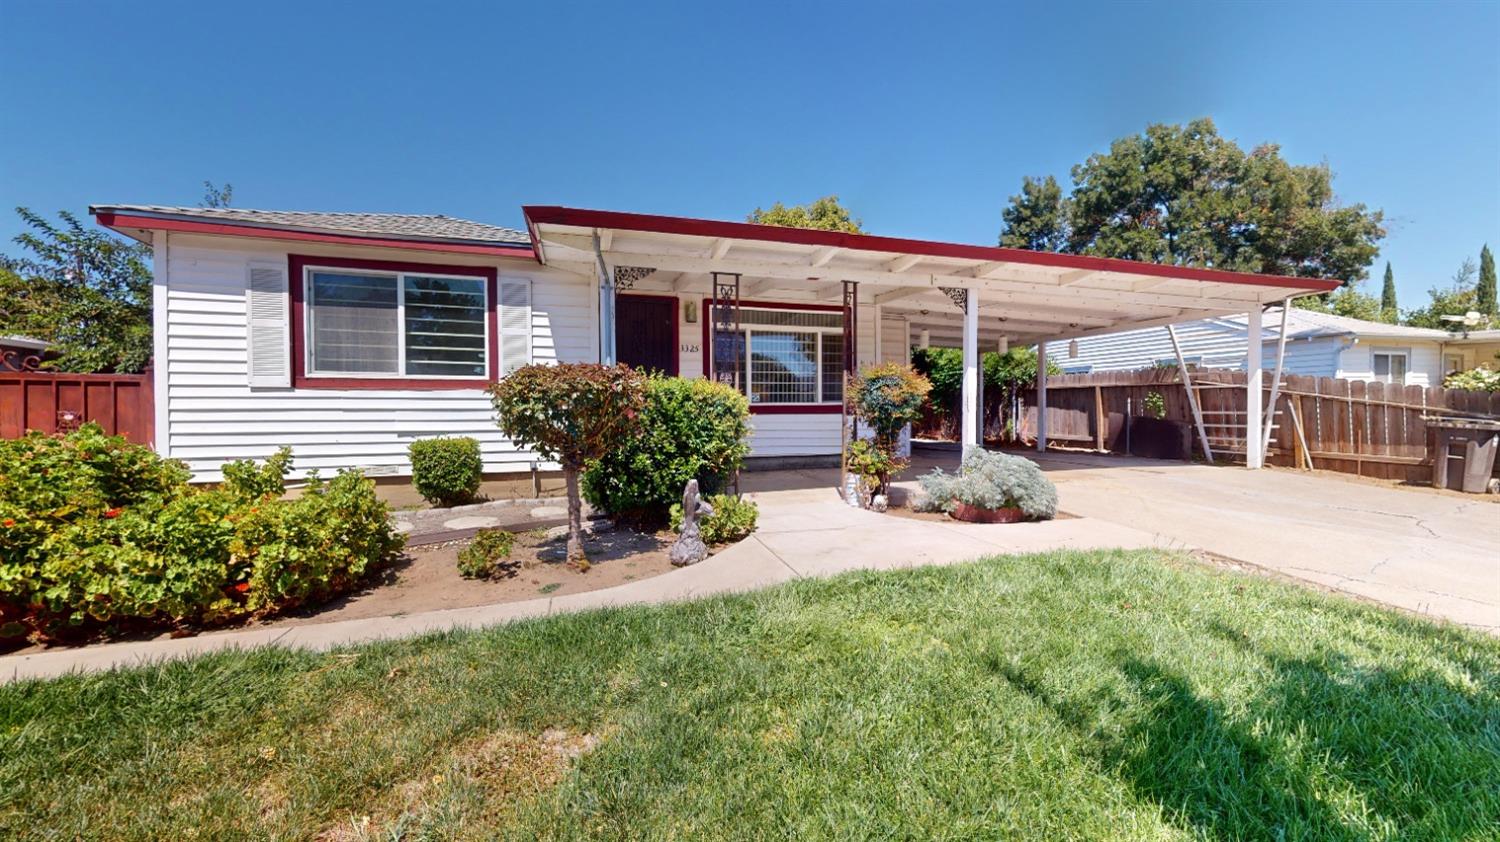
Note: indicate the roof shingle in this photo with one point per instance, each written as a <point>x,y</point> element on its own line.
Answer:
<point>424,227</point>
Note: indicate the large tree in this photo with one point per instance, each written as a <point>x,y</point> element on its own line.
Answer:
<point>1184,195</point>
<point>825,214</point>
<point>1458,298</point>
<point>85,291</point>
<point>1388,308</point>
<point>1484,297</point>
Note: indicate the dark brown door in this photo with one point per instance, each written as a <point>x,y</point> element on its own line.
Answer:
<point>646,332</point>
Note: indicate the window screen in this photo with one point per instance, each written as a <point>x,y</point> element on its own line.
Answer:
<point>353,323</point>
<point>445,321</point>
<point>783,367</point>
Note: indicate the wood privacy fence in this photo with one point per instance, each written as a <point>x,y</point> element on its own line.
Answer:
<point>1371,429</point>
<point>51,402</point>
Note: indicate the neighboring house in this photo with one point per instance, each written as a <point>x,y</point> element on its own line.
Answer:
<point>18,352</point>
<point>347,336</point>
<point>1475,349</point>
<point>1318,344</point>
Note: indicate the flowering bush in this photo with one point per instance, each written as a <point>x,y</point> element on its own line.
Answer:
<point>1474,380</point>
<point>95,530</point>
<point>990,480</point>
<point>689,429</point>
<point>446,471</point>
<point>733,518</point>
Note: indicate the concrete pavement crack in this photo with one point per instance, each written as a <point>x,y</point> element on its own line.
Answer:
<point>776,555</point>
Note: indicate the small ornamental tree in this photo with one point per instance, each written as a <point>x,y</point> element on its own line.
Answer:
<point>887,397</point>
<point>571,414</point>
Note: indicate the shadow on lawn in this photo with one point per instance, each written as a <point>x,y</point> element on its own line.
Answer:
<point>1326,750</point>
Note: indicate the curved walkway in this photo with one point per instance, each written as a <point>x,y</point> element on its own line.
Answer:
<point>804,531</point>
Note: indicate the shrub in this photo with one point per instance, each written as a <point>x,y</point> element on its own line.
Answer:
<point>446,471</point>
<point>571,414</point>
<point>887,397</point>
<point>733,519</point>
<point>94,529</point>
<point>870,463</point>
<point>1475,380</point>
<point>1155,405</point>
<point>689,429</point>
<point>487,555</point>
<point>990,480</point>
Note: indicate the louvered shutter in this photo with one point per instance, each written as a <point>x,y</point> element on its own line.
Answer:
<point>269,333</point>
<point>515,324</point>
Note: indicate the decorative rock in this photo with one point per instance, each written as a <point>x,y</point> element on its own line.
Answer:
<point>689,547</point>
<point>878,503</point>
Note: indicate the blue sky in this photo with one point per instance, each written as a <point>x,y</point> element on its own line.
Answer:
<point>922,117</point>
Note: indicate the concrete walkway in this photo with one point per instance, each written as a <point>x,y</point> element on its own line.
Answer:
<point>804,531</point>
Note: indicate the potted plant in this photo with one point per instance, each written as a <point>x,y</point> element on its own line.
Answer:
<point>990,488</point>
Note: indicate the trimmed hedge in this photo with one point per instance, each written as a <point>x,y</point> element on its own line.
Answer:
<point>446,471</point>
<point>96,531</point>
<point>689,429</point>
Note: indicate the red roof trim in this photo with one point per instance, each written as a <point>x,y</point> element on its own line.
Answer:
<point>555,215</point>
<point>152,223</point>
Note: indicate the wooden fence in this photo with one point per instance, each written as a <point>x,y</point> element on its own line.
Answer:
<point>35,400</point>
<point>1370,429</point>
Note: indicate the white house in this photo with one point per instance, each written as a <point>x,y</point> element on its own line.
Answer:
<point>349,335</point>
<point>1318,344</point>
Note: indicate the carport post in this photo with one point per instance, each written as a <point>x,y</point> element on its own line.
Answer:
<point>1254,378</point>
<point>969,422</point>
<point>1041,396</point>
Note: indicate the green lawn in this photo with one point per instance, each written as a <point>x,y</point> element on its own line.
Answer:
<point>1061,696</point>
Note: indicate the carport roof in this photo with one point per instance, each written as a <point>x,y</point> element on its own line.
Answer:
<point>1024,295</point>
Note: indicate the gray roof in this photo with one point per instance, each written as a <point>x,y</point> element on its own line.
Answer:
<point>1306,324</point>
<point>406,226</point>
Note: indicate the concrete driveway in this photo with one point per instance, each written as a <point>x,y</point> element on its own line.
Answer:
<point>1416,549</point>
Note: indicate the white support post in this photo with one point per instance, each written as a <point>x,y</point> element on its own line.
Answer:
<point>1192,394</point>
<point>969,422</point>
<point>1265,442</point>
<point>1041,396</point>
<point>1254,380</point>
<point>160,273</point>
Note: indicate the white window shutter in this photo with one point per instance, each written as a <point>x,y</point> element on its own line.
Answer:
<point>515,324</point>
<point>269,311</point>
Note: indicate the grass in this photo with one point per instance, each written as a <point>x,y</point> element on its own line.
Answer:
<point>1059,696</point>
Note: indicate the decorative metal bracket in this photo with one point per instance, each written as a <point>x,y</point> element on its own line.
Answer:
<point>18,362</point>
<point>626,276</point>
<point>959,296</point>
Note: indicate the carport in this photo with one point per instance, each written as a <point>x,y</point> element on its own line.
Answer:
<point>969,296</point>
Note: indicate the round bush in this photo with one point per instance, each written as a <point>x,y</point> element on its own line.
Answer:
<point>487,555</point>
<point>689,429</point>
<point>446,471</point>
<point>990,480</point>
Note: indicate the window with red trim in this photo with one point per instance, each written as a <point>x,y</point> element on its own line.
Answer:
<point>794,356</point>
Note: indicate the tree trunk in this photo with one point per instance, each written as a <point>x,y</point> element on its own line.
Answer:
<point>575,516</point>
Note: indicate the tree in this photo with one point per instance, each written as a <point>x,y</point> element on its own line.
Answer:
<point>825,214</point>
<point>1183,195</point>
<point>1484,298</point>
<point>1456,299</point>
<point>87,292</point>
<point>570,414</point>
<point>1388,309</point>
<point>1036,219</point>
<point>216,197</point>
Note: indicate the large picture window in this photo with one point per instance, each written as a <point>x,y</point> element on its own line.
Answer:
<point>396,324</point>
<point>794,356</point>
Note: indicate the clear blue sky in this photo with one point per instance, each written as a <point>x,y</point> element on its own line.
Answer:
<point>923,118</point>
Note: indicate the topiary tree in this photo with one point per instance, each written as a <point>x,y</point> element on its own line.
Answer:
<point>570,414</point>
<point>887,397</point>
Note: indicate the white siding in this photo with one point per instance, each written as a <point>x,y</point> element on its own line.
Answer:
<point>212,414</point>
<point>1217,345</point>
<point>794,435</point>
<point>1424,361</point>
<point>1309,357</point>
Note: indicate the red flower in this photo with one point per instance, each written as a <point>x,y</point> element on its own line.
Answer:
<point>240,587</point>
<point>112,513</point>
<point>10,521</point>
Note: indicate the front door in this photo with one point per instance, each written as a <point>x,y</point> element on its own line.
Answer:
<point>646,332</point>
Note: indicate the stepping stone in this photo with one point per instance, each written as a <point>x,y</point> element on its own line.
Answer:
<point>402,527</point>
<point>471,522</point>
<point>547,512</point>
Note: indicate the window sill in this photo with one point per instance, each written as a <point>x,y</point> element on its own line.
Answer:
<point>419,384</point>
<point>796,408</point>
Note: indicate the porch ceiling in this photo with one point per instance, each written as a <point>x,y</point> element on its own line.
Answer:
<point>1024,296</point>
